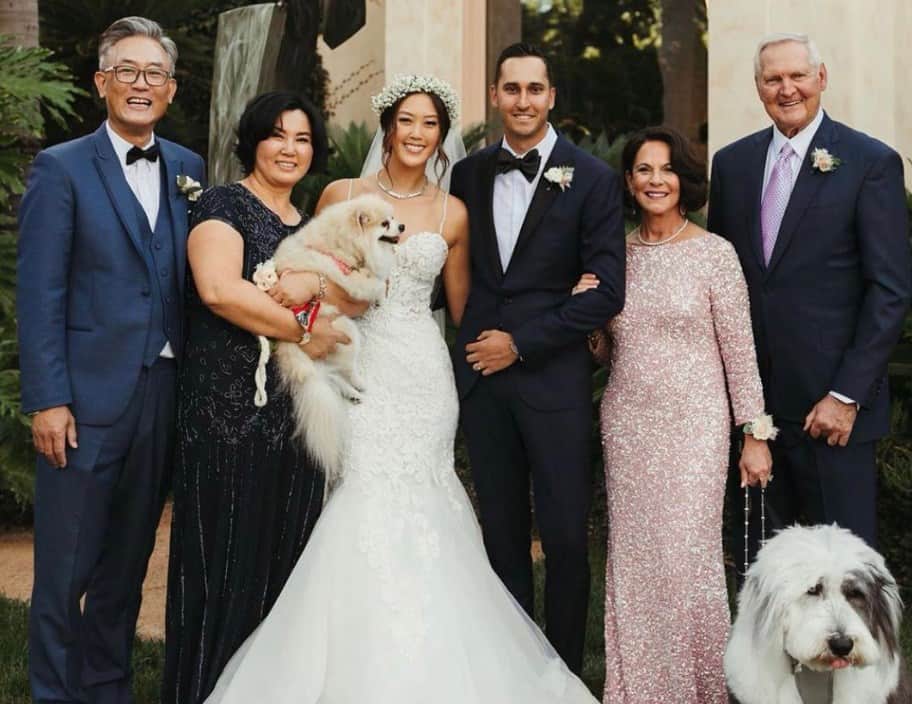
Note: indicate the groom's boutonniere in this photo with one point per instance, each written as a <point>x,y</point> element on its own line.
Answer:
<point>560,176</point>
<point>823,161</point>
<point>189,187</point>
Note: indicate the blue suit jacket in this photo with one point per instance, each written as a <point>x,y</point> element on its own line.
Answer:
<point>829,308</point>
<point>83,286</point>
<point>564,234</point>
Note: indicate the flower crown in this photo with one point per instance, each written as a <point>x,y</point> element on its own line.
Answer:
<point>406,84</point>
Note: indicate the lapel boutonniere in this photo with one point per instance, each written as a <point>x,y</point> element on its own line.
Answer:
<point>560,176</point>
<point>823,161</point>
<point>189,187</point>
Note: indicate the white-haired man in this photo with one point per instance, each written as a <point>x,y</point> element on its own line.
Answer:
<point>816,211</point>
<point>102,261</point>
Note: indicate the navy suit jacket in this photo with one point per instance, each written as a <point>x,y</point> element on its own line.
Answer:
<point>564,234</point>
<point>830,305</point>
<point>83,286</point>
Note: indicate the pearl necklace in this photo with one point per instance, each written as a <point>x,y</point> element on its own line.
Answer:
<point>400,196</point>
<point>639,235</point>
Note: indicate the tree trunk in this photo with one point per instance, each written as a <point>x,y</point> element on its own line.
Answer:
<point>682,59</point>
<point>19,19</point>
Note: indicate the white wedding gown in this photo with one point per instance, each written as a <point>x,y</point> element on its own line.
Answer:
<point>393,600</point>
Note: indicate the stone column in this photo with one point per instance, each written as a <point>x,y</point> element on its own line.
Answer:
<point>246,49</point>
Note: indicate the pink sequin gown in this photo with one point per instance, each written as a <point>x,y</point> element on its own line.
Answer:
<point>684,333</point>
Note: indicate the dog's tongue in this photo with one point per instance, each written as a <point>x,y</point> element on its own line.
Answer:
<point>839,663</point>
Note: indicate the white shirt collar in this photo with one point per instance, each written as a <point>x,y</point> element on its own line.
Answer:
<point>801,142</point>
<point>122,146</point>
<point>544,146</point>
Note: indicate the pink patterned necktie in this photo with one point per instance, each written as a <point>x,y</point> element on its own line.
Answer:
<point>775,200</point>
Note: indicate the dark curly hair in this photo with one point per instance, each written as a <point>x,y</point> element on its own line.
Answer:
<point>690,169</point>
<point>259,119</point>
<point>388,125</point>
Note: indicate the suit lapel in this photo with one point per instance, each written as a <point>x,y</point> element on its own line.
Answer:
<point>806,187</point>
<point>487,174</point>
<point>115,184</point>
<point>756,169</point>
<point>177,205</point>
<point>545,195</point>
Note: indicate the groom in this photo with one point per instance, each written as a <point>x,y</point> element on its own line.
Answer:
<point>541,212</point>
<point>102,257</point>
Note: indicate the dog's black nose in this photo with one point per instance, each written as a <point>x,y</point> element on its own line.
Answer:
<point>401,227</point>
<point>840,645</point>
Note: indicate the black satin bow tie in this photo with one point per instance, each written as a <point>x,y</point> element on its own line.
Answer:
<point>527,165</point>
<point>135,154</point>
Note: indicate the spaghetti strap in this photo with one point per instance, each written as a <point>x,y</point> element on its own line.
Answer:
<point>351,184</point>
<point>446,198</point>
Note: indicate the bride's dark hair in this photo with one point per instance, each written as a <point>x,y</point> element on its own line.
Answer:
<point>388,125</point>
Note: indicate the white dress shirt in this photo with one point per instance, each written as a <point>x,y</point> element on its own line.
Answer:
<point>513,195</point>
<point>144,179</point>
<point>801,143</point>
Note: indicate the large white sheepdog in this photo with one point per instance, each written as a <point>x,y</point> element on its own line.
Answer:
<point>818,623</point>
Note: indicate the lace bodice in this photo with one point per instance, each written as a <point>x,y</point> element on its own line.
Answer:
<point>419,260</point>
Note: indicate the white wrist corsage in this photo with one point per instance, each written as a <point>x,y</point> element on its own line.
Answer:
<point>761,428</point>
<point>265,276</point>
<point>560,176</point>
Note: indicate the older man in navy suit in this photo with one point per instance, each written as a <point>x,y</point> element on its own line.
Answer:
<point>816,211</point>
<point>102,261</point>
<point>541,212</point>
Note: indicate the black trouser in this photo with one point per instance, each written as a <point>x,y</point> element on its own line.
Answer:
<point>510,443</point>
<point>95,523</point>
<point>814,483</point>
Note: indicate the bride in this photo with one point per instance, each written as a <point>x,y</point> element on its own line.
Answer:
<point>393,600</point>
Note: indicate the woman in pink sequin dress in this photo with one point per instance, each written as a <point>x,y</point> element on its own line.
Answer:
<point>682,363</point>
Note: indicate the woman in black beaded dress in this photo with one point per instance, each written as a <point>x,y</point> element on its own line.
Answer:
<point>245,495</point>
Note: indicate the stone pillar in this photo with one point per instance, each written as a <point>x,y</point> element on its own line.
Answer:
<point>439,37</point>
<point>867,55</point>
<point>504,28</point>
<point>246,49</point>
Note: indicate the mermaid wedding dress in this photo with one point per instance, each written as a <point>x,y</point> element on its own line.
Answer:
<point>393,600</point>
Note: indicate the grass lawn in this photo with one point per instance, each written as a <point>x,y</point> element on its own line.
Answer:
<point>148,656</point>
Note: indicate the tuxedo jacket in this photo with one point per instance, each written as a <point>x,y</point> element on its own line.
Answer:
<point>565,233</point>
<point>83,282</point>
<point>830,305</point>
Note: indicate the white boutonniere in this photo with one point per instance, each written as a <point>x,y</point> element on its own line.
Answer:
<point>265,275</point>
<point>823,161</point>
<point>189,187</point>
<point>560,176</point>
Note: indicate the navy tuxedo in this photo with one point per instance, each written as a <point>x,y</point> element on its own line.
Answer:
<point>534,418</point>
<point>99,292</point>
<point>827,309</point>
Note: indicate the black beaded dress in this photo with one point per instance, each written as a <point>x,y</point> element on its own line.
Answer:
<point>245,496</point>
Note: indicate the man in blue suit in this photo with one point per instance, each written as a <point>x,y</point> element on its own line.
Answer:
<point>816,211</point>
<point>102,261</point>
<point>541,212</point>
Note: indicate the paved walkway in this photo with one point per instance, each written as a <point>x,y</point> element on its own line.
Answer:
<point>16,575</point>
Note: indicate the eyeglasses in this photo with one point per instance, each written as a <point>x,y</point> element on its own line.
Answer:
<point>129,74</point>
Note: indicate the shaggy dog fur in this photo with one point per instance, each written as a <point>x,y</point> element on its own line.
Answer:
<point>818,623</point>
<point>351,244</point>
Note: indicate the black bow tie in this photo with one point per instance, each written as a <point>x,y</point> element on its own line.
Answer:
<point>135,154</point>
<point>527,165</point>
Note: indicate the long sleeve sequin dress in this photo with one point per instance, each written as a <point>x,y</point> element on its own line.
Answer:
<point>246,496</point>
<point>683,337</point>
